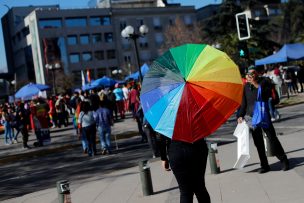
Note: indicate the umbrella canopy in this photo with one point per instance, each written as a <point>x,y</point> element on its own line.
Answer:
<point>190,91</point>
<point>144,69</point>
<point>30,90</point>
<point>288,52</point>
<point>104,81</point>
<point>88,86</point>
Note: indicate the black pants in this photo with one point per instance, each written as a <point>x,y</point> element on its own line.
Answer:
<point>25,135</point>
<point>188,163</point>
<point>257,135</point>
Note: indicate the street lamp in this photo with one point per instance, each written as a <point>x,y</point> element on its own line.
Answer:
<point>53,67</point>
<point>117,72</point>
<point>129,33</point>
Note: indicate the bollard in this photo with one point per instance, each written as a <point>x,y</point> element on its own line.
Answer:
<point>63,189</point>
<point>268,148</point>
<point>214,161</point>
<point>145,178</point>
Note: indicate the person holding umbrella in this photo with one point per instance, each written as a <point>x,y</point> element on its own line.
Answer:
<point>188,93</point>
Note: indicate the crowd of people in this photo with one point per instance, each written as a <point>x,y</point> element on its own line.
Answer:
<point>93,112</point>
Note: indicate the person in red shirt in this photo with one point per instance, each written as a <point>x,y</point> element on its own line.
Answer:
<point>134,99</point>
<point>51,111</point>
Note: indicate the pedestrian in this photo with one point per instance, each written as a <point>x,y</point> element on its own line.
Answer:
<point>188,162</point>
<point>23,120</point>
<point>51,112</point>
<point>6,121</point>
<point>246,112</point>
<point>134,100</point>
<point>111,103</point>
<point>300,76</point>
<point>119,95</point>
<point>104,122</point>
<point>61,109</point>
<point>88,127</point>
<point>126,97</point>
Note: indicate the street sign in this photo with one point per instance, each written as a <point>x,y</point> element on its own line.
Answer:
<point>242,25</point>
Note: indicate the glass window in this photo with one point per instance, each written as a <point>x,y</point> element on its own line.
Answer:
<point>159,39</point>
<point>111,54</point>
<point>97,21</point>
<point>122,25</point>
<point>50,23</point>
<point>99,55</point>
<point>108,37</point>
<point>84,39</point>
<point>76,22</point>
<point>74,58</point>
<point>87,56</point>
<point>72,40</point>
<point>96,38</point>
<point>188,20</point>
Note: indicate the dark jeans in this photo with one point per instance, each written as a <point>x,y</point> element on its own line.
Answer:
<point>257,135</point>
<point>25,135</point>
<point>188,163</point>
<point>90,133</point>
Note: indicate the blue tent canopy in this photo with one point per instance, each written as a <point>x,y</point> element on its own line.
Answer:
<point>104,81</point>
<point>29,90</point>
<point>288,52</point>
<point>144,69</point>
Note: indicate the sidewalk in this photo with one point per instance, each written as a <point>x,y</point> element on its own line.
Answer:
<point>235,186</point>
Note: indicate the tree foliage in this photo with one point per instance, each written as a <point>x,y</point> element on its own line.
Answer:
<point>179,33</point>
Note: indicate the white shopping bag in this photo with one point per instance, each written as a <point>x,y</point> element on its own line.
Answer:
<point>242,134</point>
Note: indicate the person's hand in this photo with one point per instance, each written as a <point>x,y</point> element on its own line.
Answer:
<point>165,165</point>
<point>240,119</point>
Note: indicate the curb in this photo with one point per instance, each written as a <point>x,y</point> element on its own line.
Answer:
<point>41,151</point>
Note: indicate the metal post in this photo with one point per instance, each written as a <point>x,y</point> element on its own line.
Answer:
<point>134,37</point>
<point>54,84</point>
<point>145,178</point>
<point>63,189</point>
<point>214,162</point>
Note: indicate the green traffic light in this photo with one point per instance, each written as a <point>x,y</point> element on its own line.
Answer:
<point>242,53</point>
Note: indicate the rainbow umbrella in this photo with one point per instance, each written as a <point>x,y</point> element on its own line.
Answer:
<point>190,91</point>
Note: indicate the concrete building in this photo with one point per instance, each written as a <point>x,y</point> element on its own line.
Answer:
<point>81,39</point>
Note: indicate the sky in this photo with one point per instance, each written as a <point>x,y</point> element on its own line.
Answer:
<point>4,4</point>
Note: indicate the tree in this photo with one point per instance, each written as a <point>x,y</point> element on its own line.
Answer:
<point>179,33</point>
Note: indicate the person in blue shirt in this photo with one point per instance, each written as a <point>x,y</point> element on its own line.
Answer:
<point>119,100</point>
<point>104,122</point>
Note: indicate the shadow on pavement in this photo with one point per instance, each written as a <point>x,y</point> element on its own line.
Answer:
<point>166,190</point>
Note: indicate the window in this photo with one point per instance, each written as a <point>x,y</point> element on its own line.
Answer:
<point>143,42</point>
<point>108,37</point>
<point>72,40</point>
<point>84,39</point>
<point>159,39</point>
<point>111,54</point>
<point>50,23</point>
<point>74,58</point>
<point>99,55</point>
<point>188,20</point>
<point>96,38</point>
<point>127,58</point>
<point>97,21</point>
<point>123,24</point>
<point>156,23</point>
<point>76,22</point>
<point>87,56</point>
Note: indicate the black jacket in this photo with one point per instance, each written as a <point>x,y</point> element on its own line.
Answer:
<point>250,95</point>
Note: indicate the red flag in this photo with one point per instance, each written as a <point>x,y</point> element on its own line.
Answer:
<point>88,76</point>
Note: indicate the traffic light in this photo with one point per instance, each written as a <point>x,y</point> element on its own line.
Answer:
<point>243,50</point>
<point>242,25</point>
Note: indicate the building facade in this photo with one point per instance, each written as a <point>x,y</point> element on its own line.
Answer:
<point>83,39</point>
